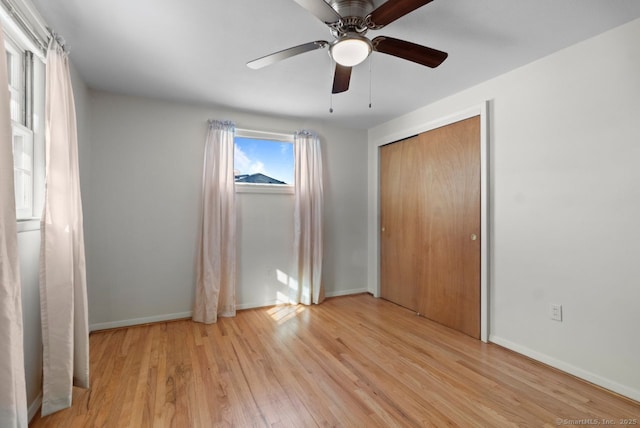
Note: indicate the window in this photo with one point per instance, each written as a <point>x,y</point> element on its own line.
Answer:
<point>23,170</point>
<point>25,76</point>
<point>20,80</point>
<point>16,78</point>
<point>263,161</point>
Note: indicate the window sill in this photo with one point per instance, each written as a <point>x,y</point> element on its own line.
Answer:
<point>264,188</point>
<point>28,224</point>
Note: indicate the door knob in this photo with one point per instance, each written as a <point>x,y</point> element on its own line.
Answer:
<point>474,236</point>
<point>382,230</point>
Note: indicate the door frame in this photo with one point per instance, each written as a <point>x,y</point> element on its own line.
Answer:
<point>373,214</point>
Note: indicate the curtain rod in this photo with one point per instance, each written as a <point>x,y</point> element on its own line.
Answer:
<point>278,135</point>
<point>24,24</point>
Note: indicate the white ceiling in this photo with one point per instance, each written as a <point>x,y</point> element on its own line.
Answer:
<point>196,50</point>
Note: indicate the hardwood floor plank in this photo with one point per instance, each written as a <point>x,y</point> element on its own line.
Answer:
<point>352,361</point>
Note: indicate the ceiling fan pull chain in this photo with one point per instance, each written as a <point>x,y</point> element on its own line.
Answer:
<point>331,66</point>
<point>370,77</point>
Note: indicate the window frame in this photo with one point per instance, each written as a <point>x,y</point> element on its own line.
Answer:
<point>31,123</point>
<point>265,187</point>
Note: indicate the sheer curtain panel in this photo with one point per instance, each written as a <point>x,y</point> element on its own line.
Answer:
<point>13,396</point>
<point>216,259</point>
<point>308,217</point>
<point>63,292</point>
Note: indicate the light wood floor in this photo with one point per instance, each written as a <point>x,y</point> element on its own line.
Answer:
<point>352,361</point>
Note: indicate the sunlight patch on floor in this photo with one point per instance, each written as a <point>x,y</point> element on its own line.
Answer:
<point>283,313</point>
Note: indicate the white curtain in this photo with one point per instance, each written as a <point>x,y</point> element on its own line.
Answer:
<point>13,397</point>
<point>63,293</point>
<point>308,215</point>
<point>216,259</point>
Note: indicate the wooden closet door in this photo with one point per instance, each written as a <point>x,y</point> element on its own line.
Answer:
<point>401,267</point>
<point>430,224</point>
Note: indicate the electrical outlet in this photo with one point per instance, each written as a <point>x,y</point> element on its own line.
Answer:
<point>556,312</point>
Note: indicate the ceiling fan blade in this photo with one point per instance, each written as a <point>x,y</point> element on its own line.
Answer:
<point>284,54</point>
<point>320,10</point>
<point>409,51</point>
<point>341,79</point>
<point>392,10</point>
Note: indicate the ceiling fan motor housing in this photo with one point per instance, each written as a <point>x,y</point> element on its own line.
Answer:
<point>353,13</point>
<point>357,8</point>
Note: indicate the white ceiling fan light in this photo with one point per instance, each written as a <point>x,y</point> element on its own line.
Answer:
<point>350,50</point>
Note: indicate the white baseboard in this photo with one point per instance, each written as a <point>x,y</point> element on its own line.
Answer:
<point>278,302</point>
<point>347,292</point>
<point>179,315</point>
<point>34,407</point>
<point>138,321</point>
<point>625,390</point>
<point>254,305</point>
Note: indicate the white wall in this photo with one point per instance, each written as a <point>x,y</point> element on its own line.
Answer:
<point>29,253</point>
<point>565,202</point>
<point>265,224</point>
<point>142,219</point>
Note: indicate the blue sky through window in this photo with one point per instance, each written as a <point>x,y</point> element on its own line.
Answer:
<point>271,158</point>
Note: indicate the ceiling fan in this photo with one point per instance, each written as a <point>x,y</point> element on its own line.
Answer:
<point>349,21</point>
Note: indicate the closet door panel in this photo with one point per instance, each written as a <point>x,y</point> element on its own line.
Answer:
<point>430,224</point>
